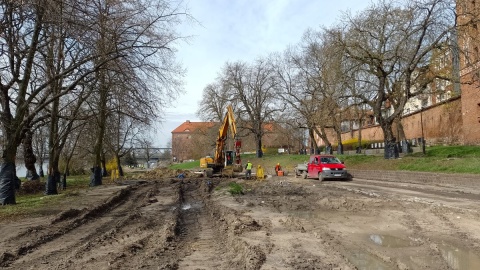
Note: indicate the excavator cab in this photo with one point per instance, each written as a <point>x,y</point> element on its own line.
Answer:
<point>229,157</point>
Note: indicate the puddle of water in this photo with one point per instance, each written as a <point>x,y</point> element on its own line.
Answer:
<point>366,261</point>
<point>389,241</point>
<point>459,259</point>
<point>187,206</point>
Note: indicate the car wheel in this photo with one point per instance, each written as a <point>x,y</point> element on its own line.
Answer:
<point>320,177</point>
<point>304,175</point>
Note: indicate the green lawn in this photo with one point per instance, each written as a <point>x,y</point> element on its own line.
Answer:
<point>448,159</point>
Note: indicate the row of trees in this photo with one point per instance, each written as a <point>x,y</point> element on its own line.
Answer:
<point>82,76</point>
<point>384,54</point>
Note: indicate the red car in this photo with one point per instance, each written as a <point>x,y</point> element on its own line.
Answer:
<point>326,167</point>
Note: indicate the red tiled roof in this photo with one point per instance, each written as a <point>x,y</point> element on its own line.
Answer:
<point>268,127</point>
<point>188,126</point>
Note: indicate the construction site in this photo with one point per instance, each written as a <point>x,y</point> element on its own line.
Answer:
<point>161,221</point>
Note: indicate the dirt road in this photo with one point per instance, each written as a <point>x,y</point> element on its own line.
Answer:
<point>279,223</point>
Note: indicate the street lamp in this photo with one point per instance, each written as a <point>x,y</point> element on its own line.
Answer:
<point>421,124</point>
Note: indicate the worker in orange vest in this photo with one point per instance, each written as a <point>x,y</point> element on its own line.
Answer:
<point>277,168</point>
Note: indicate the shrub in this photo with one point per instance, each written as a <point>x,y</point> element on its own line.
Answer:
<point>352,144</point>
<point>111,165</point>
<point>32,187</point>
<point>235,188</point>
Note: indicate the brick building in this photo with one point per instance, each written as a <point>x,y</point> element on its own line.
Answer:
<point>193,140</point>
<point>451,113</point>
<point>468,43</point>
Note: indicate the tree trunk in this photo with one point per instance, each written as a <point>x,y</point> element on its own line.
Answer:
<point>8,178</point>
<point>404,147</point>
<point>101,121</point>
<point>340,144</point>
<point>41,155</point>
<point>7,182</point>
<point>29,156</point>
<point>321,133</point>
<point>391,150</point>
<point>313,144</point>
<point>67,166</point>
<point>359,147</point>
<point>258,140</point>
<point>104,168</point>
<point>119,166</point>
<point>53,175</point>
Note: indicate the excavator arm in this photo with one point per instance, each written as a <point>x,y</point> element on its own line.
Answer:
<point>223,158</point>
<point>228,121</point>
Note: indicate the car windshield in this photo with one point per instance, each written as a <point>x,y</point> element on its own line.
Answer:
<point>330,160</point>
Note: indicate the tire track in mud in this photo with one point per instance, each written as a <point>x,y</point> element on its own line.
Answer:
<point>93,239</point>
<point>215,236</point>
<point>454,196</point>
<point>202,243</point>
<point>347,248</point>
<point>38,236</point>
<point>423,211</point>
<point>167,224</point>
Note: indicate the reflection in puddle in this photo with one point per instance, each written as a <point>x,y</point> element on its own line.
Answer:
<point>458,258</point>
<point>389,241</point>
<point>187,206</point>
<point>366,261</point>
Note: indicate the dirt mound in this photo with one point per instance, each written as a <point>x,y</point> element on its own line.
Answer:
<point>159,173</point>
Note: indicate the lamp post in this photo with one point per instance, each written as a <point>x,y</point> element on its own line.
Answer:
<point>421,124</point>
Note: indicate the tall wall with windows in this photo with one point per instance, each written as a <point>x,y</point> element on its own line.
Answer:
<point>469,42</point>
<point>449,111</point>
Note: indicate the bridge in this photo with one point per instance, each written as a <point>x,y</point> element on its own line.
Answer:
<point>155,153</point>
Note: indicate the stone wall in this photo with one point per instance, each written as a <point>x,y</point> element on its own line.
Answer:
<point>442,124</point>
<point>471,108</point>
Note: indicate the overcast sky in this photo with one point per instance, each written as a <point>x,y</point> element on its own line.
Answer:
<point>232,30</point>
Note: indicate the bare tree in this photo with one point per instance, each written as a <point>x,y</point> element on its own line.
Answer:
<point>392,42</point>
<point>121,134</point>
<point>312,87</point>
<point>145,62</point>
<point>146,144</point>
<point>215,99</point>
<point>254,88</point>
<point>50,47</point>
<point>40,146</point>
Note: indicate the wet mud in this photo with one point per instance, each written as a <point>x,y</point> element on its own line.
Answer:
<point>279,223</point>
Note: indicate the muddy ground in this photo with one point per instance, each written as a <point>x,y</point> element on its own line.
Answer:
<point>278,223</point>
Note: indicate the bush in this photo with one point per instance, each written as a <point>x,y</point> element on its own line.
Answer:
<point>235,189</point>
<point>352,144</point>
<point>32,187</point>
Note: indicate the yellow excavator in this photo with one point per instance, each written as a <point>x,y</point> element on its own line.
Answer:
<point>224,160</point>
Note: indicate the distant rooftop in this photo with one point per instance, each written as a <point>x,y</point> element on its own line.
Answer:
<point>189,126</point>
